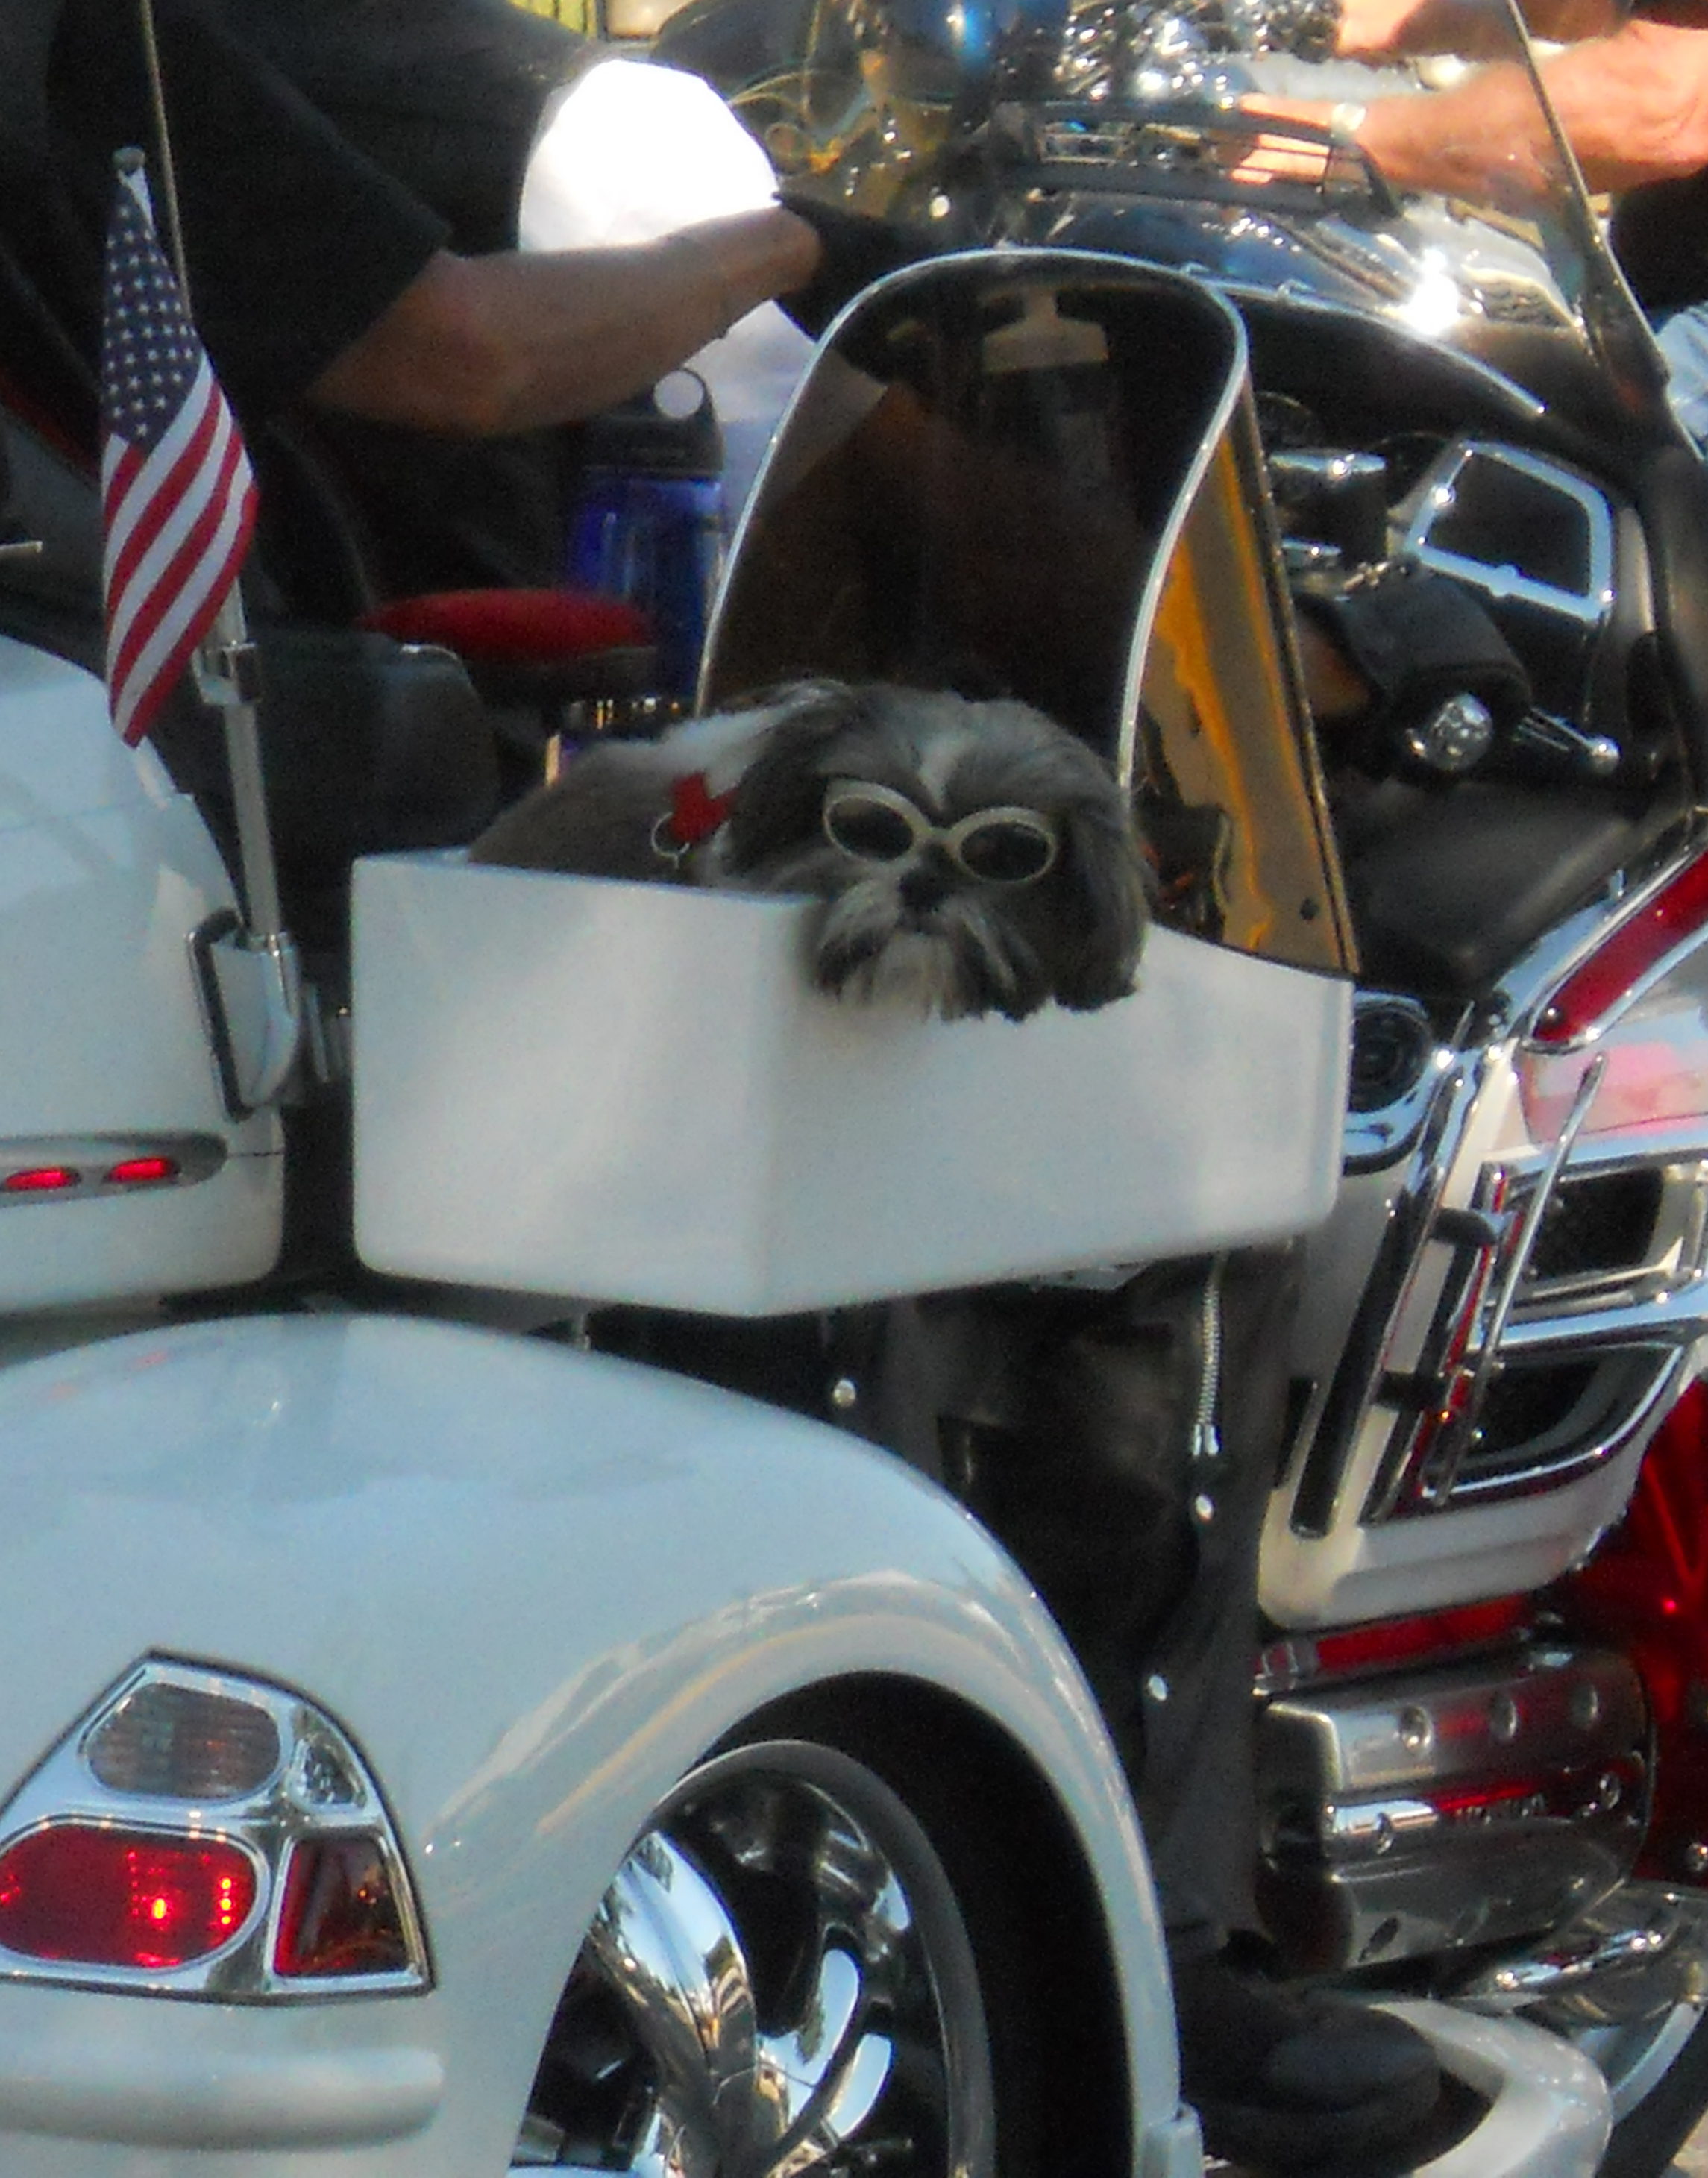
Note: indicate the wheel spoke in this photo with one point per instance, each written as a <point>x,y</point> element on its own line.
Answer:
<point>757,1998</point>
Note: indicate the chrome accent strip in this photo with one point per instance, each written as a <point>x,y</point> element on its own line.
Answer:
<point>1589,605</point>
<point>1359,1375</point>
<point>1551,1472</point>
<point>1634,1955</point>
<point>1457,1437</point>
<point>1678,1317</point>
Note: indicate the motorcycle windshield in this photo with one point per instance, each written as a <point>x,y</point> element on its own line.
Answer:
<point>1430,192</point>
<point>1037,474</point>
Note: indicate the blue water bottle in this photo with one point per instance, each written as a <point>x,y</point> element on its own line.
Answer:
<point>650,525</point>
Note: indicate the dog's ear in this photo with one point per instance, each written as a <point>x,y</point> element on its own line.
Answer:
<point>1104,899</point>
<point>780,796</point>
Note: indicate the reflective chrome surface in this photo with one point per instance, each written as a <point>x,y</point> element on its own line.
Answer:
<point>1430,1811</point>
<point>1627,1984</point>
<point>777,1981</point>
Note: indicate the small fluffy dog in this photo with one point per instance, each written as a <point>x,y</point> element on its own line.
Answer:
<point>972,856</point>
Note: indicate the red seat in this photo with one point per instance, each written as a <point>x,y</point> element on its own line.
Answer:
<point>542,648</point>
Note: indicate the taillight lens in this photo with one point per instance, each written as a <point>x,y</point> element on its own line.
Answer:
<point>121,1897</point>
<point>1655,1052</point>
<point>168,1741</point>
<point>114,1873</point>
<point>1676,912</point>
<point>340,1912</point>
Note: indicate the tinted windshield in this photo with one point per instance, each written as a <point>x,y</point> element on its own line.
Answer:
<point>1224,139</point>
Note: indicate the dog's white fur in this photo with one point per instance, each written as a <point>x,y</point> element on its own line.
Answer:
<point>916,928</point>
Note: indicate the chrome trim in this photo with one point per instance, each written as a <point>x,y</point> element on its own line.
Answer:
<point>1544,1471</point>
<point>1398,1736</point>
<point>282,1812</point>
<point>1362,1369</point>
<point>1640,1952</point>
<point>1435,491</point>
<point>1420,1813</point>
<point>1385,1132</point>
<point>1449,1455</point>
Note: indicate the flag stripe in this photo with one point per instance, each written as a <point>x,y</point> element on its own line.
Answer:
<point>154,490</point>
<point>167,568</point>
<point>179,497</point>
<point>163,647</point>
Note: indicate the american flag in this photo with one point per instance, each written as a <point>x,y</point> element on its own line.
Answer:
<point>179,497</point>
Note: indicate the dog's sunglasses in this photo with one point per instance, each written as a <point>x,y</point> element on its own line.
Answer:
<point>1004,845</point>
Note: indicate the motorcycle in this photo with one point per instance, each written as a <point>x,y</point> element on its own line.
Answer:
<point>1480,1572</point>
<point>472,1750</point>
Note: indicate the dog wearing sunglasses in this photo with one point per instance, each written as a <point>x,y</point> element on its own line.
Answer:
<point>972,856</point>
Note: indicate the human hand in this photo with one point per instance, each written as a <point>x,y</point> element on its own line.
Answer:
<point>854,249</point>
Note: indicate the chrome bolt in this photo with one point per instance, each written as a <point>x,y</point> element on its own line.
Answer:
<point>1156,1688</point>
<point>845,1393</point>
<point>1455,736</point>
<point>1503,1719</point>
<point>1696,1856</point>
<point>1414,1728</point>
<point>1203,1509</point>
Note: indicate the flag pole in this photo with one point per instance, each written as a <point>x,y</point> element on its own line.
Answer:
<point>227,676</point>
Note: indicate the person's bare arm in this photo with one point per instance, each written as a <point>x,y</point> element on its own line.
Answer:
<point>482,345</point>
<point>1634,107</point>
<point>1373,29</point>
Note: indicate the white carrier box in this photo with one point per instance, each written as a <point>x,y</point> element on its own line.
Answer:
<point>630,1092</point>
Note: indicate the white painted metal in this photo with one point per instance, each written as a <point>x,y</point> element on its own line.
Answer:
<point>630,1092</point>
<point>1549,2115</point>
<point>533,1585</point>
<point>105,871</point>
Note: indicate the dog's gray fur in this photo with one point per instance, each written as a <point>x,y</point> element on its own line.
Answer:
<point>919,927</point>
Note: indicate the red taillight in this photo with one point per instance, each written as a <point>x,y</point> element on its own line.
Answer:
<point>88,1895</point>
<point>1409,1640</point>
<point>1393,1644</point>
<point>1677,912</point>
<point>41,1179</point>
<point>142,1172</point>
<point>340,1912</point>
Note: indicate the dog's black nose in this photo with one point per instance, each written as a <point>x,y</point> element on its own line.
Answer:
<point>927,884</point>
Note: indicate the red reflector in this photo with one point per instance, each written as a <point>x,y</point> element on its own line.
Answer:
<point>340,1914</point>
<point>41,1179</point>
<point>142,1171</point>
<point>1676,913</point>
<point>96,1897</point>
<point>1405,1640</point>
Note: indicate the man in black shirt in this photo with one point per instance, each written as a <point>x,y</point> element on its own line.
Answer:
<point>358,266</point>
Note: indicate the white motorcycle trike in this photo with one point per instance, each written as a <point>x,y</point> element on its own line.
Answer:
<point>429,1746</point>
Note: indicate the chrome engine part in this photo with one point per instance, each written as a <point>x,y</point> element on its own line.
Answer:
<point>1426,1812</point>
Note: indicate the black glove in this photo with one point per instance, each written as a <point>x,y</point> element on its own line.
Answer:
<point>858,249</point>
<point>1419,638</point>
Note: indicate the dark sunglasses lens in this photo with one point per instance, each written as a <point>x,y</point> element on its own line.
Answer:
<point>1002,852</point>
<point>870,831</point>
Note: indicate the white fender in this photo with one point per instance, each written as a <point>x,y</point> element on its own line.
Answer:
<point>534,1586</point>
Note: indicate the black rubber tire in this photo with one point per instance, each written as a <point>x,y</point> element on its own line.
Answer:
<point>1645,2142</point>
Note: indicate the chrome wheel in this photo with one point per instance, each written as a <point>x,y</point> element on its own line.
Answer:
<point>778,1981</point>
